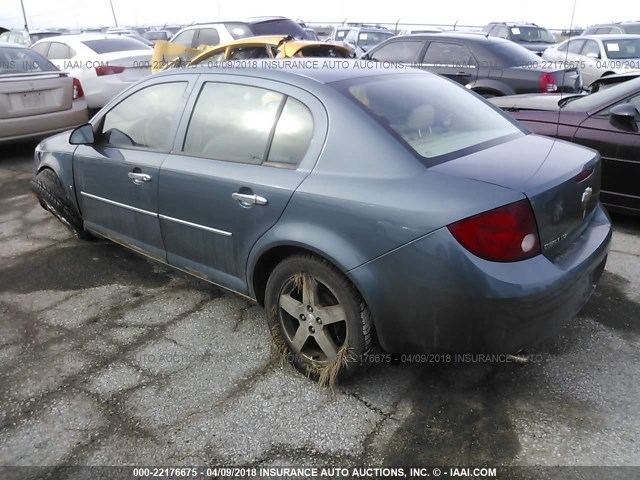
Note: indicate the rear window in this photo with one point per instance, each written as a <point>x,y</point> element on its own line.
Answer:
<point>322,51</point>
<point>23,60</point>
<point>110,45</point>
<point>509,54</point>
<point>531,35</point>
<point>282,26</point>
<point>436,118</point>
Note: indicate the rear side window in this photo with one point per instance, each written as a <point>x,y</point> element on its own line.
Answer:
<point>208,36</point>
<point>398,52</point>
<point>448,54</point>
<point>292,135</point>
<point>110,45</point>
<point>232,123</point>
<point>144,119</point>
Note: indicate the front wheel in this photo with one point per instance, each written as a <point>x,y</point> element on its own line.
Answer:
<point>317,318</point>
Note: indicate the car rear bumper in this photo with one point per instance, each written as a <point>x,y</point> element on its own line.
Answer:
<point>434,296</point>
<point>43,125</point>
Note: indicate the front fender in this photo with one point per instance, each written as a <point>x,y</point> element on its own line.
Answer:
<point>56,153</point>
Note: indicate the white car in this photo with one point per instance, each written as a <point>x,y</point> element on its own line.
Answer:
<point>105,64</point>
<point>597,55</point>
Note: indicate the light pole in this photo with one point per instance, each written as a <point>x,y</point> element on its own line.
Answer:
<point>115,20</point>
<point>24,15</point>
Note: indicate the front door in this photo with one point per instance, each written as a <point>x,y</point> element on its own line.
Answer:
<point>116,178</point>
<point>239,158</point>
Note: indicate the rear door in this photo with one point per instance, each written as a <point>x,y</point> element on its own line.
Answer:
<point>238,158</point>
<point>117,177</point>
<point>620,150</point>
<point>452,60</point>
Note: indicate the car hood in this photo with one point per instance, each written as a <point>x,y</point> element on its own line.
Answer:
<point>530,101</point>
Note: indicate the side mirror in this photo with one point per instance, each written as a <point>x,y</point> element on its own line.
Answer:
<point>366,56</point>
<point>593,55</point>
<point>624,116</point>
<point>82,135</point>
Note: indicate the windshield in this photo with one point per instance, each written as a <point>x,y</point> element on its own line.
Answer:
<point>433,116</point>
<point>602,98</point>
<point>23,60</point>
<point>531,35</point>
<point>623,48</point>
<point>110,45</point>
<point>509,54</point>
<point>371,39</point>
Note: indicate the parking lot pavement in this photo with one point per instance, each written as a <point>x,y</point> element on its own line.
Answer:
<point>107,358</point>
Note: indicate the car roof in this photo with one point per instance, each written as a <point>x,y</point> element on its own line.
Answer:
<point>292,68</point>
<point>608,36</point>
<point>248,21</point>
<point>516,24</point>
<point>477,37</point>
<point>12,45</point>
<point>80,37</point>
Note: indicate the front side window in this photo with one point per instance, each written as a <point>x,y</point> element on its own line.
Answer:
<point>433,117</point>
<point>591,47</point>
<point>398,52</point>
<point>575,46</point>
<point>232,122</point>
<point>144,119</point>
<point>185,38</point>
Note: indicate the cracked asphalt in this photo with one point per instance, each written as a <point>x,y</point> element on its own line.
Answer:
<point>107,358</point>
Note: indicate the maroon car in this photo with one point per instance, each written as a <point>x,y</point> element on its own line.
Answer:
<point>607,121</point>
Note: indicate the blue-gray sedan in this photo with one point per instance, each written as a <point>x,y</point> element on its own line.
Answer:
<point>362,207</point>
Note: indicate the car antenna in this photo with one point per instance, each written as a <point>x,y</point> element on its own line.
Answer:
<point>564,72</point>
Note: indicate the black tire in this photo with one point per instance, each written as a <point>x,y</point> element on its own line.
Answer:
<point>313,288</point>
<point>47,187</point>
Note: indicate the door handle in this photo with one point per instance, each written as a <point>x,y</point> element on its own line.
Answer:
<point>462,74</point>
<point>139,178</point>
<point>246,200</point>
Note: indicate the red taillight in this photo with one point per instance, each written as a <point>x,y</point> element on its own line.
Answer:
<point>506,234</point>
<point>77,89</point>
<point>547,83</point>
<point>108,70</point>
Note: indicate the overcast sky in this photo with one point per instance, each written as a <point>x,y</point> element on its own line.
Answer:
<point>552,14</point>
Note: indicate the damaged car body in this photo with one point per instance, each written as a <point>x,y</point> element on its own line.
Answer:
<point>416,233</point>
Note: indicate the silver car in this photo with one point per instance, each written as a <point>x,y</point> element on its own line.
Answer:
<point>36,99</point>
<point>597,55</point>
<point>386,207</point>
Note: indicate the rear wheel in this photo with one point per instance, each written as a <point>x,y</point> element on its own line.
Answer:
<point>317,318</point>
<point>53,198</point>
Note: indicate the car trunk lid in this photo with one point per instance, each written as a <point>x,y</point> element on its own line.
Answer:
<point>136,63</point>
<point>24,95</point>
<point>561,180</point>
